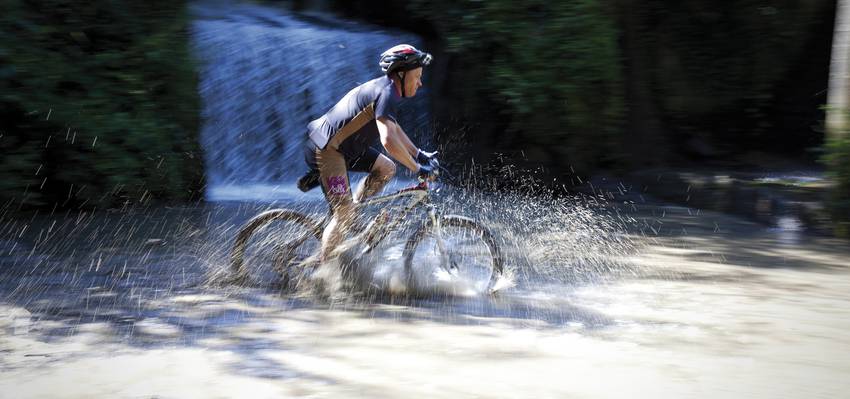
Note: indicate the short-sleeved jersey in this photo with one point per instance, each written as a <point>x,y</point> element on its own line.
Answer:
<point>359,107</point>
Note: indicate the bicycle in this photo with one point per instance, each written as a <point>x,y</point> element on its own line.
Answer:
<point>454,252</point>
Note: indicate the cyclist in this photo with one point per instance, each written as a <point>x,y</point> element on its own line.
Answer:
<point>346,137</point>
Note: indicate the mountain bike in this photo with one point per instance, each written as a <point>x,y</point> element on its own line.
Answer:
<point>459,244</point>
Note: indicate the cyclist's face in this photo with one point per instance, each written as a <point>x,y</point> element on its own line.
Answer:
<point>412,81</point>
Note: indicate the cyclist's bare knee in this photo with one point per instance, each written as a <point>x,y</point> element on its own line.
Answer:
<point>383,170</point>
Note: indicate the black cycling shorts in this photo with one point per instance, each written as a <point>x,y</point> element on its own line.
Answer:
<point>359,156</point>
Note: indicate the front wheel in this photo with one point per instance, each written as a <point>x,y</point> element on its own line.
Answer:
<point>468,250</point>
<point>270,243</point>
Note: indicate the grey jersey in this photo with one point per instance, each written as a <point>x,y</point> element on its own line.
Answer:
<point>357,110</point>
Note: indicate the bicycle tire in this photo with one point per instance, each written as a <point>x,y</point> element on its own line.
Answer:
<point>495,253</point>
<point>243,238</point>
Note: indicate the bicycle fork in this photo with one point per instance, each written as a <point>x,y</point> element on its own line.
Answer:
<point>445,259</point>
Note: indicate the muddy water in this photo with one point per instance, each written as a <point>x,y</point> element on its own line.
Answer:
<point>696,305</point>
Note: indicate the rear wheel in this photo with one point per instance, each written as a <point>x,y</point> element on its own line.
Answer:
<point>471,252</point>
<point>270,244</point>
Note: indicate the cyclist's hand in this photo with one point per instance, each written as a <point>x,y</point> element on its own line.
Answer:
<point>427,173</point>
<point>424,158</point>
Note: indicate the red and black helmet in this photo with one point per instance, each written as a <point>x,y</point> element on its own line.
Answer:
<point>403,57</point>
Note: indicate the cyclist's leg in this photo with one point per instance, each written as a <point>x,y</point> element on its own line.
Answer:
<point>380,170</point>
<point>334,177</point>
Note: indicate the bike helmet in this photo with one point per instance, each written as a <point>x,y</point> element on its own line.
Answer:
<point>402,58</point>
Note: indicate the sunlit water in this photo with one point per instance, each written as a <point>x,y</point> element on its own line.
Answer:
<point>668,299</point>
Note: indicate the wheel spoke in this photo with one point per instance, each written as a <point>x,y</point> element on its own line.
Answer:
<point>470,248</point>
<point>271,243</point>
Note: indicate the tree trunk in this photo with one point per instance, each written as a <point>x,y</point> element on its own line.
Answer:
<point>837,100</point>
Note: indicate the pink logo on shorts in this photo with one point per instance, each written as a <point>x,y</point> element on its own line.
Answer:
<point>337,185</point>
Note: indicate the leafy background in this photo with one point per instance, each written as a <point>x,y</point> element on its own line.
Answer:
<point>99,104</point>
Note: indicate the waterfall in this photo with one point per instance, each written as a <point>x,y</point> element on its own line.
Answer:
<point>264,74</point>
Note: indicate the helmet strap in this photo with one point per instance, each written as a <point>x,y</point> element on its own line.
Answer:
<point>401,76</point>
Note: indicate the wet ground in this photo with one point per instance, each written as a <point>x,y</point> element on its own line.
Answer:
<point>663,301</point>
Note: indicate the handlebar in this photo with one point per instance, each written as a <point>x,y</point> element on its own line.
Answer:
<point>434,173</point>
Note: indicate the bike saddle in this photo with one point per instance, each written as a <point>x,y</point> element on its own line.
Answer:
<point>309,181</point>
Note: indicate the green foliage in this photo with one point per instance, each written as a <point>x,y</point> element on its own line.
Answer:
<point>721,68</point>
<point>99,102</point>
<point>552,74</point>
<point>552,70</point>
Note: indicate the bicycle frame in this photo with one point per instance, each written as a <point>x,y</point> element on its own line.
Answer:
<point>379,228</point>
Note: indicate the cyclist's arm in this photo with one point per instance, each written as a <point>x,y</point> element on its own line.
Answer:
<point>396,143</point>
<point>408,145</point>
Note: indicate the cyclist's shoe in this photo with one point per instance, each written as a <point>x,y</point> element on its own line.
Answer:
<point>309,181</point>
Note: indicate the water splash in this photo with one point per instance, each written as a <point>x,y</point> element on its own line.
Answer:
<point>546,238</point>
